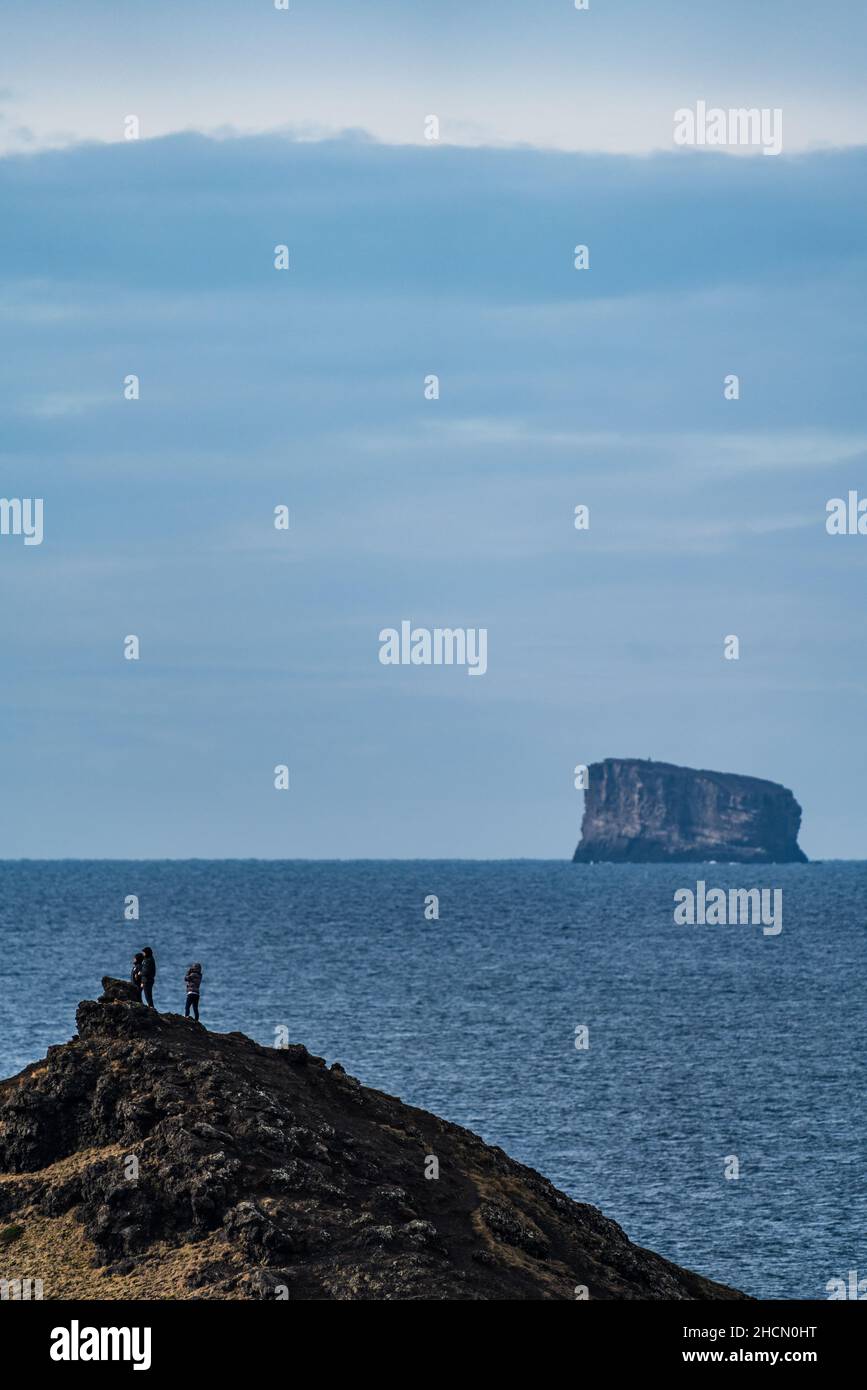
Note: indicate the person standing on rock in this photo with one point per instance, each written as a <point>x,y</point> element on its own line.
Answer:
<point>193,982</point>
<point>135,976</point>
<point>148,973</point>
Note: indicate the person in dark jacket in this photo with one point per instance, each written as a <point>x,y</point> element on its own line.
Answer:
<point>135,975</point>
<point>148,972</point>
<point>193,982</point>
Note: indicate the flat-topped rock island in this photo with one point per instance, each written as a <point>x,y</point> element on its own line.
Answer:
<point>643,812</point>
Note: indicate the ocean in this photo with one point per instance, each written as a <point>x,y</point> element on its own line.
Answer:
<point>710,1050</point>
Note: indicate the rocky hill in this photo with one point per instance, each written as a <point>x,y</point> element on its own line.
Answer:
<point>149,1158</point>
<point>638,811</point>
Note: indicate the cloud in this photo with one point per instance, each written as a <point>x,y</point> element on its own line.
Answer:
<point>57,404</point>
<point>493,225</point>
<point>718,454</point>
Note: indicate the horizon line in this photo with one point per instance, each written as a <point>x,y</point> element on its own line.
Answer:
<point>408,859</point>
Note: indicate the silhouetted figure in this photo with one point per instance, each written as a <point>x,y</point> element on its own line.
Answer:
<point>135,975</point>
<point>148,972</point>
<point>193,982</point>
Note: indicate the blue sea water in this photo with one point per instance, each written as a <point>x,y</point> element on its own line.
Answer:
<point>705,1042</point>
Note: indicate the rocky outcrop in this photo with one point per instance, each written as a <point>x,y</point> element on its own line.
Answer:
<point>638,811</point>
<point>149,1158</point>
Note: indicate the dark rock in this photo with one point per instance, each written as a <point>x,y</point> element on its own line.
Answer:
<point>272,1283</point>
<point>309,1182</point>
<point>58,1197</point>
<point>506,1226</point>
<point>118,991</point>
<point>638,811</point>
<point>265,1237</point>
<point>421,1233</point>
<point>379,1235</point>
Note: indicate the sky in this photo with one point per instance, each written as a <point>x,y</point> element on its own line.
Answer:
<point>495,71</point>
<point>558,387</point>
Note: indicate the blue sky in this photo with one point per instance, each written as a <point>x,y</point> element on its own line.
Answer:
<point>495,71</point>
<point>558,387</point>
